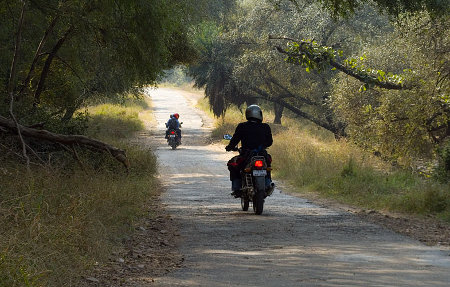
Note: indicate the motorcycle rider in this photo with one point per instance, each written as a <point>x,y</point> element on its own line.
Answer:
<point>174,124</point>
<point>253,135</point>
<point>167,125</point>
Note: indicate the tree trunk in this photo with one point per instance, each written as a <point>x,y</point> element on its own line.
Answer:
<point>69,113</point>
<point>278,109</point>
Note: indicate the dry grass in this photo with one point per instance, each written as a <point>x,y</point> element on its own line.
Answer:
<point>313,161</point>
<point>339,170</point>
<point>55,223</point>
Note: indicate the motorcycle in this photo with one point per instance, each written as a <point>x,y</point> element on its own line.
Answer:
<point>172,137</point>
<point>253,178</point>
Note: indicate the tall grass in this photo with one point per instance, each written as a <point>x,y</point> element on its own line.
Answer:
<point>55,223</point>
<point>313,161</point>
<point>342,171</point>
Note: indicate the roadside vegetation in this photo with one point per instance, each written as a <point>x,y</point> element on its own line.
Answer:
<point>68,215</point>
<point>65,202</point>
<point>378,79</point>
<point>312,161</point>
<point>372,73</point>
<point>359,92</point>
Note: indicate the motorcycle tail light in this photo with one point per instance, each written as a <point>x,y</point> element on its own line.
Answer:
<point>172,132</point>
<point>259,163</point>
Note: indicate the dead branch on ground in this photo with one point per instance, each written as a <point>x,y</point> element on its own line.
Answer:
<point>66,140</point>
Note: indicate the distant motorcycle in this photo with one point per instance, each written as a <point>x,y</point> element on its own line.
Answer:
<point>253,177</point>
<point>172,138</point>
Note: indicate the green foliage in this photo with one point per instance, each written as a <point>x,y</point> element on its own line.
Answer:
<point>241,65</point>
<point>346,8</point>
<point>442,169</point>
<point>213,69</point>
<point>404,126</point>
<point>313,56</point>
<point>395,104</point>
<point>107,48</point>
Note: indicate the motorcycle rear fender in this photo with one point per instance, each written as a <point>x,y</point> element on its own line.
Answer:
<point>260,183</point>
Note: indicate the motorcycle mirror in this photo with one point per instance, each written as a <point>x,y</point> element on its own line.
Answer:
<point>227,137</point>
<point>181,123</point>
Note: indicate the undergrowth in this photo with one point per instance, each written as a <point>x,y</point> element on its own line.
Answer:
<point>62,218</point>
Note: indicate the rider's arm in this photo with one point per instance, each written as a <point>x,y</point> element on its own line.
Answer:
<point>236,137</point>
<point>268,135</point>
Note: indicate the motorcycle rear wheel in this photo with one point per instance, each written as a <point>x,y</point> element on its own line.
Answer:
<point>258,202</point>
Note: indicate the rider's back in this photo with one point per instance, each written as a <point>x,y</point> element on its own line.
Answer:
<point>252,135</point>
<point>173,124</point>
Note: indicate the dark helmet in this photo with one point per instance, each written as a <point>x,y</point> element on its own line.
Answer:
<point>253,112</point>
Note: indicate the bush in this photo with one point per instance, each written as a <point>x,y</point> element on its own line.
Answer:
<point>442,170</point>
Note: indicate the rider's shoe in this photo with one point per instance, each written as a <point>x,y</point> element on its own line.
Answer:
<point>270,188</point>
<point>236,193</point>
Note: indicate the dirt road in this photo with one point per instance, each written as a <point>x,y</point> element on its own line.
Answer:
<point>294,242</point>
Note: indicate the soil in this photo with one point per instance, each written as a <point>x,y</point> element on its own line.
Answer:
<point>198,236</point>
<point>150,252</point>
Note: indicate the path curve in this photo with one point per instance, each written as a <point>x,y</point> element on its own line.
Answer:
<point>294,242</point>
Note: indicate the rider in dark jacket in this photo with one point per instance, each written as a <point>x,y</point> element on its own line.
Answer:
<point>254,135</point>
<point>174,124</point>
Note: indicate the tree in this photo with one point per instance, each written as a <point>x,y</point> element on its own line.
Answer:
<point>259,74</point>
<point>403,125</point>
<point>345,8</point>
<point>76,50</point>
<point>57,56</point>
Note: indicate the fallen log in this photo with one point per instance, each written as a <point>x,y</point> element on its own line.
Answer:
<point>68,140</point>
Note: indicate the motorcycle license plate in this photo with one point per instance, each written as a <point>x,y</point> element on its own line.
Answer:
<point>257,172</point>
<point>171,136</point>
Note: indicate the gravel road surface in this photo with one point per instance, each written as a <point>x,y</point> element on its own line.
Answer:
<point>293,243</point>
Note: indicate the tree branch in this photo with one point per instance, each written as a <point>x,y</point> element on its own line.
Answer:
<point>38,54</point>
<point>11,85</point>
<point>326,58</point>
<point>338,132</point>
<point>47,64</point>
<point>304,100</point>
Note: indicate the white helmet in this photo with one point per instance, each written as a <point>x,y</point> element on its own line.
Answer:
<point>253,112</point>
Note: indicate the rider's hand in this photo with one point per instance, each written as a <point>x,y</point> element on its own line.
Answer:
<point>228,148</point>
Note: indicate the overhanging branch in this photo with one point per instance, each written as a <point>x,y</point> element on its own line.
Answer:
<point>368,79</point>
<point>337,131</point>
